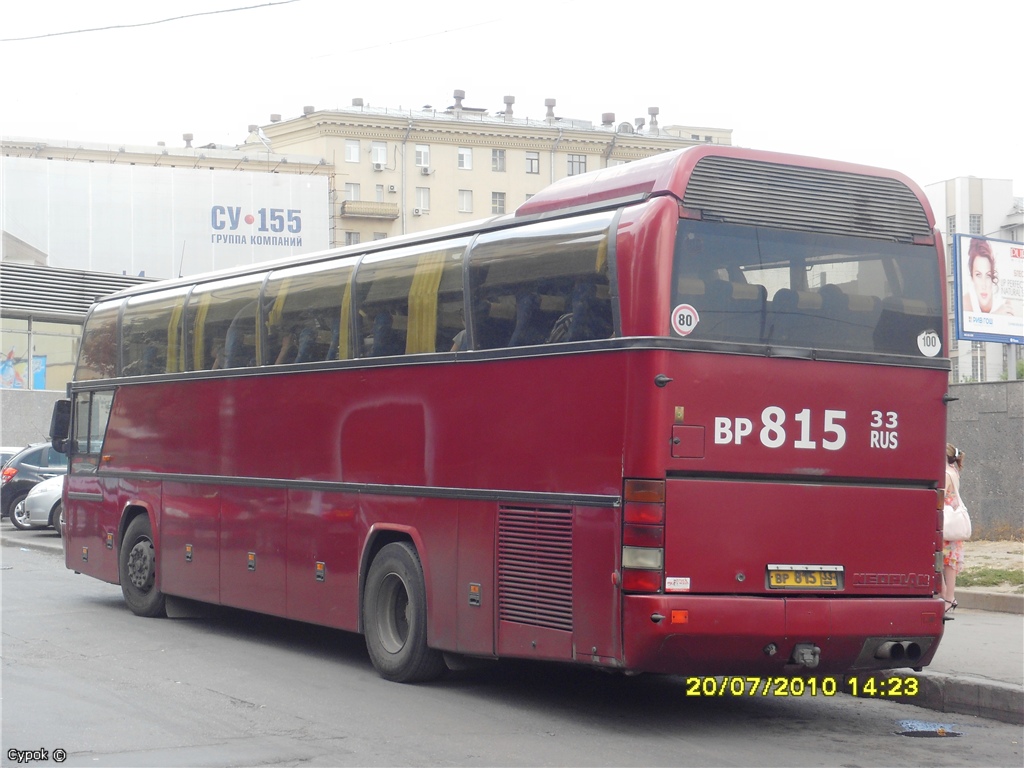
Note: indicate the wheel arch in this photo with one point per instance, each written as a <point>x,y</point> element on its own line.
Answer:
<point>378,537</point>
<point>132,510</point>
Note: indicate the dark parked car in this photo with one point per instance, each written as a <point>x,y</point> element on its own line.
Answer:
<point>33,465</point>
<point>7,453</point>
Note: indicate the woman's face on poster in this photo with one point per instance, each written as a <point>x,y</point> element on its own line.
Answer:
<point>983,276</point>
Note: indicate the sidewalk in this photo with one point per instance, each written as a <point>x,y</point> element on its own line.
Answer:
<point>978,669</point>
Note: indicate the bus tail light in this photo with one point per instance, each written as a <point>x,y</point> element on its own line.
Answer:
<point>643,536</point>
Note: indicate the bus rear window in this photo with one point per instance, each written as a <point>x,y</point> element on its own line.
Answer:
<point>797,289</point>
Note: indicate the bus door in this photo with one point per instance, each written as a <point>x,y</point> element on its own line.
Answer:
<point>91,516</point>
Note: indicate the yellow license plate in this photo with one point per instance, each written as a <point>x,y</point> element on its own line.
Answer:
<point>780,577</point>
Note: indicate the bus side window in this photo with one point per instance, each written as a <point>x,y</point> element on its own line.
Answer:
<point>97,357</point>
<point>410,301</point>
<point>306,313</point>
<point>542,283</point>
<point>220,320</point>
<point>151,334</point>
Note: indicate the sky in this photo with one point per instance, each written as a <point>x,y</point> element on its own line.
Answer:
<point>929,88</point>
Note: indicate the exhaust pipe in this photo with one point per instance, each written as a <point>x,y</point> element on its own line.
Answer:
<point>890,650</point>
<point>895,650</point>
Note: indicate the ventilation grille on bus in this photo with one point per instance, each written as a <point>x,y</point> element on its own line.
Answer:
<point>535,567</point>
<point>751,192</point>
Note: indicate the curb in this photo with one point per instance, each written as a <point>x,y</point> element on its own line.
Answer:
<point>981,600</point>
<point>966,696</point>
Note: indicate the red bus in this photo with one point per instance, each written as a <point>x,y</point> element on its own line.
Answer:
<point>684,415</point>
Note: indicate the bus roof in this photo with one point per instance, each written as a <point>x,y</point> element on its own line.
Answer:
<point>669,173</point>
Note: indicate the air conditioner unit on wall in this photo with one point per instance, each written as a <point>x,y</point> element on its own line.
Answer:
<point>378,166</point>
<point>425,171</point>
<point>416,211</point>
<point>392,188</point>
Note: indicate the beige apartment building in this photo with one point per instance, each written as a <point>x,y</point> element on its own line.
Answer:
<point>397,171</point>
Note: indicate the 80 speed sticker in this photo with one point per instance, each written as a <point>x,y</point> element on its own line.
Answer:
<point>684,319</point>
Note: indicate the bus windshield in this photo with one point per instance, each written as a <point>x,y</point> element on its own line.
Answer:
<point>786,288</point>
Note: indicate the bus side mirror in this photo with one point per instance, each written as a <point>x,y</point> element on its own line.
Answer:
<point>60,426</point>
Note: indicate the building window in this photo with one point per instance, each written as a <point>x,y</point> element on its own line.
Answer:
<point>497,202</point>
<point>351,191</point>
<point>379,193</point>
<point>351,150</point>
<point>975,224</point>
<point>380,235</point>
<point>423,198</point>
<point>351,238</point>
<point>54,348</point>
<point>379,152</point>
<point>465,201</point>
<point>498,160</point>
<point>422,155</point>
<point>977,361</point>
<point>466,158</point>
<point>577,164</point>
<point>951,225</point>
<point>533,162</point>
<point>695,136</point>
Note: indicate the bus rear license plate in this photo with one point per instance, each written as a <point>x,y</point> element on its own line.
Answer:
<point>799,579</point>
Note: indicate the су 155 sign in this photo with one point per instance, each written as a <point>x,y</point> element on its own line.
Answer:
<point>227,220</point>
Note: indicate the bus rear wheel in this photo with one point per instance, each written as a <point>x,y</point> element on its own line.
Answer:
<point>395,617</point>
<point>137,569</point>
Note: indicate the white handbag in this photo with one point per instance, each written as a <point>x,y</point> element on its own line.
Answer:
<point>956,523</point>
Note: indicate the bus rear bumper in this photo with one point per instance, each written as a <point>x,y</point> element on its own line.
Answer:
<point>719,635</point>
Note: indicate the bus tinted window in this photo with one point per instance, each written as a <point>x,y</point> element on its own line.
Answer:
<point>542,283</point>
<point>306,314</point>
<point>765,286</point>
<point>93,413</point>
<point>98,356</point>
<point>220,321</point>
<point>151,334</point>
<point>410,301</point>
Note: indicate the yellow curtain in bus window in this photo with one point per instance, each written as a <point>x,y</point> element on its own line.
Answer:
<point>344,350</point>
<point>175,351</point>
<point>277,310</point>
<point>198,334</point>
<point>422,336</point>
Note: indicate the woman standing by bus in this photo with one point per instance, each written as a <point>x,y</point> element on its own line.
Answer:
<point>952,551</point>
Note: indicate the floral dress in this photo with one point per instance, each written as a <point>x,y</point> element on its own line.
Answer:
<point>953,551</point>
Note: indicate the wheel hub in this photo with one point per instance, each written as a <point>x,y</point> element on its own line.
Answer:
<point>140,565</point>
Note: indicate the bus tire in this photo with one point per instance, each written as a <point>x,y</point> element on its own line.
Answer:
<point>137,570</point>
<point>395,617</point>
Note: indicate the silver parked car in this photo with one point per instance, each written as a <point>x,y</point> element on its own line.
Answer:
<point>42,506</point>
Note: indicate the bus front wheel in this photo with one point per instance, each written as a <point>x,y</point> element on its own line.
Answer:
<point>137,569</point>
<point>395,617</point>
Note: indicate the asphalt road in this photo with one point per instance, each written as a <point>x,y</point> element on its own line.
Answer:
<point>83,675</point>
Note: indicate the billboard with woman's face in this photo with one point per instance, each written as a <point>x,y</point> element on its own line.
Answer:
<point>989,279</point>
